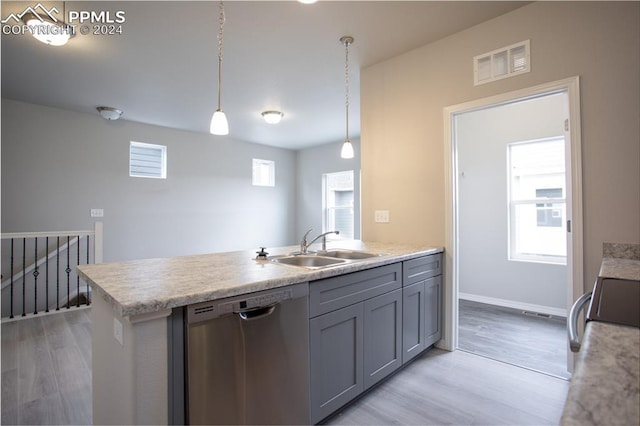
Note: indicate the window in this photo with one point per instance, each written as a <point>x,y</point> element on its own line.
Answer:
<point>147,160</point>
<point>337,203</point>
<point>537,203</point>
<point>264,172</point>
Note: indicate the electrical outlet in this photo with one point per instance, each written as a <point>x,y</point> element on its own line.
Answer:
<point>118,332</point>
<point>381,216</point>
<point>97,213</point>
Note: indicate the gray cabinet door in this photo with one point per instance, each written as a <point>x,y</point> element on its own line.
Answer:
<point>433,310</point>
<point>413,321</point>
<point>382,336</point>
<point>336,345</point>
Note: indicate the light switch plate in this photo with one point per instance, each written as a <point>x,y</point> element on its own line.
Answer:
<point>97,213</point>
<point>381,216</point>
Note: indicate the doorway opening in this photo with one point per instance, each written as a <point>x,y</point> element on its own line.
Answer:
<point>514,193</point>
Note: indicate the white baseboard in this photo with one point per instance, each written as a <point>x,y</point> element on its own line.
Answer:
<point>558,312</point>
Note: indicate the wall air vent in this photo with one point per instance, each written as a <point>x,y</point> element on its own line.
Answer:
<point>502,63</point>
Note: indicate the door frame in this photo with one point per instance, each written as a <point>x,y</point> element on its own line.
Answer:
<point>575,255</point>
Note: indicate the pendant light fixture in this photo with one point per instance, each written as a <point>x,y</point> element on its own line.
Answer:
<point>347,147</point>
<point>219,124</point>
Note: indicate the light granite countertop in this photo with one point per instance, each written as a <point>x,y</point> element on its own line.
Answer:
<point>144,286</point>
<point>605,387</point>
<point>622,269</point>
<point>605,384</point>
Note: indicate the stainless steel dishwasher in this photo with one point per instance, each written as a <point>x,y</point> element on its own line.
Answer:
<point>248,359</point>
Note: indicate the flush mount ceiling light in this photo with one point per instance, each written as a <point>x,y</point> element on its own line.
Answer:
<point>109,113</point>
<point>46,28</point>
<point>272,117</point>
<point>307,1</point>
<point>219,124</point>
<point>347,148</point>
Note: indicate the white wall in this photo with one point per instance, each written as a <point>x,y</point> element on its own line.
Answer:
<point>57,165</point>
<point>312,163</point>
<point>482,138</point>
<point>402,102</point>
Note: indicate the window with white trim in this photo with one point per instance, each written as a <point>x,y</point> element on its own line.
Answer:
<point>537,201</point>
<point>264,172</point>
<point>147,160</point>
<point>338,204</point>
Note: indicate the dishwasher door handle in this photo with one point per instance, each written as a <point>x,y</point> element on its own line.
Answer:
<point>255,314</point>
<point>578,306</point>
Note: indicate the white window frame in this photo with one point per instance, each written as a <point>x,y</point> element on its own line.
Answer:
<point>162,173</point>
<point>326,210</point>
<point>259,178</point>
<point>513,255</point>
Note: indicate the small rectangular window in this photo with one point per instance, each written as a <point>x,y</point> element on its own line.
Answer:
<point>337,203</point>
<point>147,160</point>
<point>264,172</point>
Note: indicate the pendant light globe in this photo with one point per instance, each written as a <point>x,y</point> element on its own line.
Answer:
<point>219,124</point>
<point>347,150</point>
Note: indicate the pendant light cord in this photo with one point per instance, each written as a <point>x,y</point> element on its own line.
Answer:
<point>220,53</point>
<point>346,86</point>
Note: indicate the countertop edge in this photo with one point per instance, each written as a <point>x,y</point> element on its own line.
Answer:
<point>288,276</point>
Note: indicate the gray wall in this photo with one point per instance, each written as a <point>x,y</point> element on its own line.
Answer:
<point>484,268</point>
<point>57,165</point>
<point>312,163</point>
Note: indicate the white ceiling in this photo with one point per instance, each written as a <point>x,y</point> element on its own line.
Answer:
<point>279,55</point>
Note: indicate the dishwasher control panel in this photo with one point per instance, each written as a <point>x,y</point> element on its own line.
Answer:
<point>254,302</point>
<point>247,302</point>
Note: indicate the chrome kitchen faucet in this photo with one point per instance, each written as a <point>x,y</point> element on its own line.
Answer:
<point>304,245</point>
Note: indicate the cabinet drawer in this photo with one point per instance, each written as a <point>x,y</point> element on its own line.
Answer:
<point>337,292</point>
<point>420,269</point>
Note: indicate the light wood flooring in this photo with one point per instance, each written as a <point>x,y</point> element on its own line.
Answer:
<point>46,370</point>
<point>459,388</point>
<point>508,335</point>
<point>46,379</point>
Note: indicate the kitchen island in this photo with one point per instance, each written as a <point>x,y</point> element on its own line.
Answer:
<point>605,387</point>
<point>134,300</point>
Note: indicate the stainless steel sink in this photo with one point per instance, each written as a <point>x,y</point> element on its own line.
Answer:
<point>349,254</point>
<point>307,261</point>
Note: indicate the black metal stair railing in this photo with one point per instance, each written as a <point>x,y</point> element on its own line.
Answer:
<point>39,270</point>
